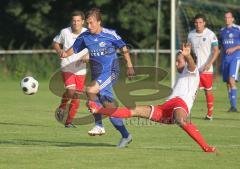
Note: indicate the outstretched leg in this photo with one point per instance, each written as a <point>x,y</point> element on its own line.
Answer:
<point>180,118</point>
<point>156,113</point>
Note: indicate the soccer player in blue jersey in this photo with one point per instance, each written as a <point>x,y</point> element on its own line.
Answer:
<point>102,44</point>
<point>230,51</point>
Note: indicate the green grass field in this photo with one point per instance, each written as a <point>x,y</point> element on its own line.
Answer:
<point>31,138</point>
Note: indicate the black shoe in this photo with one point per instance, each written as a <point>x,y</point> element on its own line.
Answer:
<point>210,118</point>
<point>233,109</point>
<point>70,126</point>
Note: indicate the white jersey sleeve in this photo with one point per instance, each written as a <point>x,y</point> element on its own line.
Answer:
<point>59,38</point>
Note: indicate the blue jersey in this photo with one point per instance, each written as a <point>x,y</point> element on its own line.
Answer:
<point>102,50</point>
<point>230,37</point>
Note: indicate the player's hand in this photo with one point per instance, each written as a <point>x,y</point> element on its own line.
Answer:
<point>186,49</point>
<point>230,50</point>
<point>60,52</point>
<point>85,58</point>
<point>130,73</point>
<point>63,54</point>
<point>206,67</point>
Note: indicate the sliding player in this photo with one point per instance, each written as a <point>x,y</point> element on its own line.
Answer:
<point>177,108</point>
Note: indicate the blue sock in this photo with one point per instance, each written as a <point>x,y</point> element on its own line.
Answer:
<point>98,117</point>
<point>234,97</point>
<point>118,124</point>
<point>229,95</point>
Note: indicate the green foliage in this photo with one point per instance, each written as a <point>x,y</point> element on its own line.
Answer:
<point>32,24</point>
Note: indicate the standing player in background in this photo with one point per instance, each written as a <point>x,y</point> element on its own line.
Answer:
<point>205,46</point>
<point>102,44</point>
<point>230,51</point>
<point>73,70</point>
<point>177,108</point>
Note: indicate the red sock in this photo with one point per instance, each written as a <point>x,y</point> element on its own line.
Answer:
<point>64,101</point>
<point>196,135</point>
<point>72,110</point>
<point>210,100</point>
<point>121,112</point>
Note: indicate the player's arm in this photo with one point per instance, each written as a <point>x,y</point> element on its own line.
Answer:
<point>58,48</point>
<point>58,43</point>
<point>232,49</point>
<point>186,52</point>
<point>77,47</point>
<point>126,54</point>
<point>214,56</point>
<point>68,53</point>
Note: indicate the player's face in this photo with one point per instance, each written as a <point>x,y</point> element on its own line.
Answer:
<point>77,23</point>
<point>94,25</point>
<point>180,63</point>
<point>199,25</point>
<point>228,19</point>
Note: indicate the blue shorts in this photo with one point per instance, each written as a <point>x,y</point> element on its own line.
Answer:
<point>230,68</point>
<point>106,82</point>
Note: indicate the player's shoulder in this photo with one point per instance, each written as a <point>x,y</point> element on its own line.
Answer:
<point>83,30</point>
<point>84,34</point>
<point>236,27</point>
<point>192,33</point>
<point>66,30</point>
<point>111,33</point>
<point>222,29</point>
<point>209,32</point>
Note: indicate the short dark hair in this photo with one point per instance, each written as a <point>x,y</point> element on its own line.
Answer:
<point>95,12</point>
<point>199,16</point>
<point>78,13</point>
<point>230,13</point>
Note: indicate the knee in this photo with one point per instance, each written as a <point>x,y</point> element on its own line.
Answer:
<point>231,82</point>
<point>180,118</point>
<point>70,93</point>
<point>91,90</point>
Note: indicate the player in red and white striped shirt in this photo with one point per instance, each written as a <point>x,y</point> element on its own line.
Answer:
<point>177,108</point>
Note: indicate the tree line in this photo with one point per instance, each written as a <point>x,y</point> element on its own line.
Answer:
<point>33,24</point>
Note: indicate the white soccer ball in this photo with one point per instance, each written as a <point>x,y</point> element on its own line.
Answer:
<point>29,85</point>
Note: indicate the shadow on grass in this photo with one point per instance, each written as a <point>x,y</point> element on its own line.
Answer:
<point>218,118</point>
<point>55,143</point>
<point>21,124</point>
<point>174,148</point>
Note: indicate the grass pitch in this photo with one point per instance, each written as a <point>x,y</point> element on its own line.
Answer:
<point>30,137</point>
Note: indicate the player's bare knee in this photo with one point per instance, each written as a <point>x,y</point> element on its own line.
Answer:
<point>232,82</point>
<point>70,93</point>
<point>180,117</point>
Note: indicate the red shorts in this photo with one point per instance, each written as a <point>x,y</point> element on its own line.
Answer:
<point>206,81</point>
<point>164,112</point>
<point>71,79</point>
